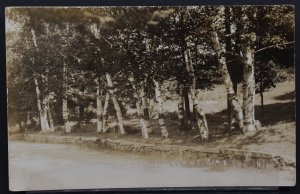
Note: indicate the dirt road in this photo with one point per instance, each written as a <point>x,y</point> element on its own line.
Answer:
<point>37,166</point>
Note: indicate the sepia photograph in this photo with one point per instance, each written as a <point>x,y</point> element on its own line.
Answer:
<point>150,96</point>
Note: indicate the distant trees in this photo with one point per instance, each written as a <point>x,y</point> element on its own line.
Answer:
<point>60,57</point>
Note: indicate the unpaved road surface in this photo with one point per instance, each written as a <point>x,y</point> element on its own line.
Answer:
<point>37,166</point>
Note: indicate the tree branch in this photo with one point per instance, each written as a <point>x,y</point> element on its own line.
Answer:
<point>116,75</point>
<point>34,73</point>
<point>272,46</point>
<point>104,82</point>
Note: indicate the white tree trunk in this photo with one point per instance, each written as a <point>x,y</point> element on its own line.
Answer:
<point>66,116</point>
<point>235,110</point>
<point>65,111</point>
<point>51,122</point>
<point>46,102</point>
<point>105,114</point>
<point>180,108</point>
<point>43,114</point>
<point>41,107</point>
<point>99,108</point>
<point>45,111</point>
<point>248,92</point>
<point>34,38</point>
<point>143,124</point>
<point>199,113</point>
<point>145,109</point>
<point>37,90</point>
<point>163,129</point>
<point>116,103</point>
<point>44,122</point>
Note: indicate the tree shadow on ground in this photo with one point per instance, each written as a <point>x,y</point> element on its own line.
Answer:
<point>216,121</point>
<point>286,96</point>
<point>273,113</point>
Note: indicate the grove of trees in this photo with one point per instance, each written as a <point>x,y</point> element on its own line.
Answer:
<point>107,57</point>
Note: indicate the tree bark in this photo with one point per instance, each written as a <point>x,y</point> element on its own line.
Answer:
<point>81,107</point>
<point>116,104</point>
<point>66,116</point>
<point>262,103</point>
<point>248,92</point>
<point>43,114</point>
<point>199,113</point>
<point>45,110</point>
<point>163,129</point>
<point>105,114</point>
<point>145,109</point>
<point>181,109</point>
<point>28,118</point>
<point>65,111</point>
<point>99,108</point>
<point>234,108</point>
<point>81,114</point>
<point>47,101</point>
<point>187,107</point>
<point>41,107</point>
<point>51,122</point>
<point>143,124</point>
<point>261,91</point>
<point>220,58</point>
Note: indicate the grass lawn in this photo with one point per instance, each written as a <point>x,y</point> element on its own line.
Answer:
<point>276,135</point>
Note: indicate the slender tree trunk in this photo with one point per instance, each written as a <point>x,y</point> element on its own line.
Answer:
<point>66,115</point>
<point>262,103</point>
<point>43,119</point>
<point>261,91</point>
<point>234,108</point>
<point>181,109</point>
<point>34,38</point>
<point>163,129</point>
<point>116,103</point>
<point>81,114</point>
<point>46,102</point>
<point>20,125</point>
<point>99,108</point>
<point>143,124</point>
<point>145,109</point>
<point>51,122</point>
<point>39,104</point>
<point>199,113</point>
<point>45,111</point>
<point>248,92</point>
<point>187,107</point>
<point>81,107</point>
<point>105,112</point>
<point>65,111</point>
<point>223,59</point>
<point>28,119</point>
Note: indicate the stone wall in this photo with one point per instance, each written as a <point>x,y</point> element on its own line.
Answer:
<point>176,154</point>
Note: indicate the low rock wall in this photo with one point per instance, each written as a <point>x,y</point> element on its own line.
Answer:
<point>177,154</point>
